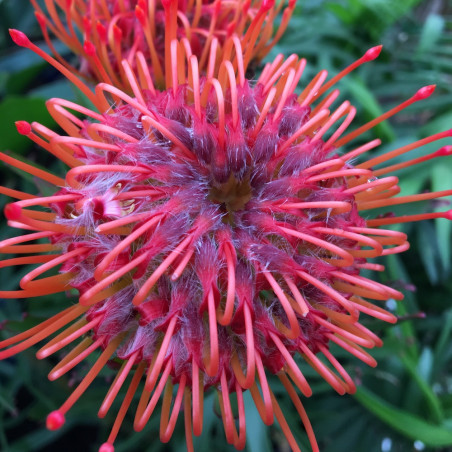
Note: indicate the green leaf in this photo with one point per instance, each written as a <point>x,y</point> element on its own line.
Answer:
<point>58,88</point>
<point>20,82</point>
<point>427,242</point>
<point>407,424</point>
<point>429,396</point>
<point>366,99</point>
<point>6,404</point>
<point>15,108</point>
<point>440,123</point>
<point>256,433</point>
<point>442,344</point>
<point>441,177</point>
<point>346,14</point>
<point>431,32</point>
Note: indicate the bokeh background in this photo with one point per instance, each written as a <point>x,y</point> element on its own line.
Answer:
<point>405,404</point>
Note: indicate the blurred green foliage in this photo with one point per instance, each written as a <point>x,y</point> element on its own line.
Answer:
<point>405,404</point>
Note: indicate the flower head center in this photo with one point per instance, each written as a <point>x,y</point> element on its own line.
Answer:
<point>232,195</point>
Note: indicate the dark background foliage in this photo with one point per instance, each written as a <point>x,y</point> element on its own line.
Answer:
<point>405,404</point>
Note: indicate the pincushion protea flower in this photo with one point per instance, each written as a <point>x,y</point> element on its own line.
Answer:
<point>214,233</point>
<point>113,30</point>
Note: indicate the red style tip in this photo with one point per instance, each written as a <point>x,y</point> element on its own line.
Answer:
<point>424,92</point>
<point>267,4</point>
<point>23,127</point>
<point>140,15</point>
<point>448,214</point>
<point>167,3</point>
<point>55,420</point>
<point>41,19</point>
<point>13,212</point>
<point>230,28</point>
<point>292,4</point>
<point>372,53</point>
<point>86,26</point>
<point>107,447</point>
<point>217,8</point>
<point>117,32</point>
<point>19,37</point>
<point>89,48</point>
<point>444,151</point>
<point>101,31</point>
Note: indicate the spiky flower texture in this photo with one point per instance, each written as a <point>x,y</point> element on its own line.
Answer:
<point>103,33</point>
<point>214,233</point>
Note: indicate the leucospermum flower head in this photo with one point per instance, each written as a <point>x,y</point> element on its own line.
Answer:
<point>103,33</point>
<point>215,230</point>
